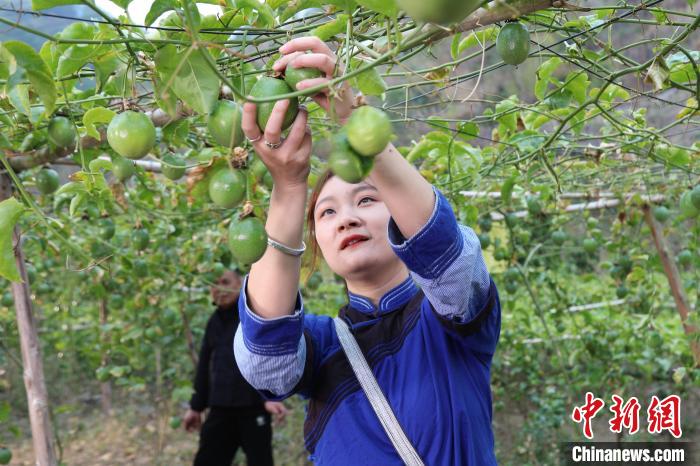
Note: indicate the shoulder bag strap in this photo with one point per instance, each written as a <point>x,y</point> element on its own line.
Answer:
<point>376,397</point>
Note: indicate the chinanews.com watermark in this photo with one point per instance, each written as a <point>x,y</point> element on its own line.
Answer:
<point>662,416</point>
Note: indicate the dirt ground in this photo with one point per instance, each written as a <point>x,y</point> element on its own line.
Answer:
<point>137,439</point>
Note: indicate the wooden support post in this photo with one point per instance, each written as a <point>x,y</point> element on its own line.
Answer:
<point>674,281</point>
<point>106,386</point>
<point>35,386</point>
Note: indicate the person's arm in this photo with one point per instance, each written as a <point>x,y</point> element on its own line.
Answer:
<point>200,398</point>
<point>269,348</point>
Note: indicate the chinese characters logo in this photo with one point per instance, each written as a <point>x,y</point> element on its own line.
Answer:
<point>661,414</point>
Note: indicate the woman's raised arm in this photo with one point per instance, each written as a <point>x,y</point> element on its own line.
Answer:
<point>273,281</point>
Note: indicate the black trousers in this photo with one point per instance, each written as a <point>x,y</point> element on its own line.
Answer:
<point>226,429</point>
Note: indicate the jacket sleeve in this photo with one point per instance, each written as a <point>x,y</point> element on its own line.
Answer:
<point>445,260</point>
<point>200,397</point>
<point>271,353</point>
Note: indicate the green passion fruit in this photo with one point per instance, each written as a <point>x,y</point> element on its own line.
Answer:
<point>685,257</point>
<point>559,237</point>
<point>140,267</point>
<point>46,180</point>
<point>513,43</point>
<point>484,240</point>
<point>368,131</point>
<point>247,240</point>
<point>590,245</point>
<point>687,207</point>
<point>268,86</point>
<point>695,197</point>
<point>131,134</point>
<point>438,11</point>
<point>172,167</point>
<point>485,223</point>
<point>224,124</point>
<point>661,213</point>
<point>175,422</point>
<point>347,164</point>
<point>293,76</point>
<point>227,187</point>
<point>122,168</point>
<point>140,239</point>
<point>61,132</point>
<point>5,455</point>
<point>107,229</point>
<point>7,299</point>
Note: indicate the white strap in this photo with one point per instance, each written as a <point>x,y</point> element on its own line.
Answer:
<point>376,397</point>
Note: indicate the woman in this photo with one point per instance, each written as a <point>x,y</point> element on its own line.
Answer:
<point>430,348</point>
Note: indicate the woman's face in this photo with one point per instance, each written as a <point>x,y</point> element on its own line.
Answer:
<point>344,210</point>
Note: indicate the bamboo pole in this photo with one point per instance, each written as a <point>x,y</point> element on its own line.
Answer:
<point>34,383</point>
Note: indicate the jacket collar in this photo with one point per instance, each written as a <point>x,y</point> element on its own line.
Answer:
<point>392,299</point>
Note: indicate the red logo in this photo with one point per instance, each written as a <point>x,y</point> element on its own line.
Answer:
<point>587,412</point>
<point>626,415</point>
<point>661,415</point>
<point>665,415</point>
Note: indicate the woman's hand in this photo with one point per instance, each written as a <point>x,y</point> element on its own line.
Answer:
<point>289,164</point>
<point>337,102</point>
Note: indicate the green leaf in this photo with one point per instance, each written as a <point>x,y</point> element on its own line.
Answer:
<point>488,34</point>
<point>189,6</point>
<point>158,8</point>
<point>265,15</point>
<point>72,187</point>
<point>331,28</point>
<point>45,4</point>
<point>543,75</point>
<point>4,142</point>
<point>660,16</point>
<point>105,65</point>
<point>75,57</point>
<point>368,82</point>
<point>507,189</point>
<point>19,98</point>
<point>96,115</point>
<point>26,56</point>
<point>100,164</point>
<point>176,132</point>
<point>454,45</point>
<point>195,82</point>
<point>165,98</point>
<point>508,122</point>
<point>45,87</point>
<point>76,203</point>
<point>347,5</point>
<point>385,7</point>
<point>10,212</point>
<point>468,130</point>
<point>527,140</point>
<point>37,72</point>
<point>577,83</point>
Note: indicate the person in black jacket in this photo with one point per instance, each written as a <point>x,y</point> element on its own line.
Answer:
<point>238,415</point>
